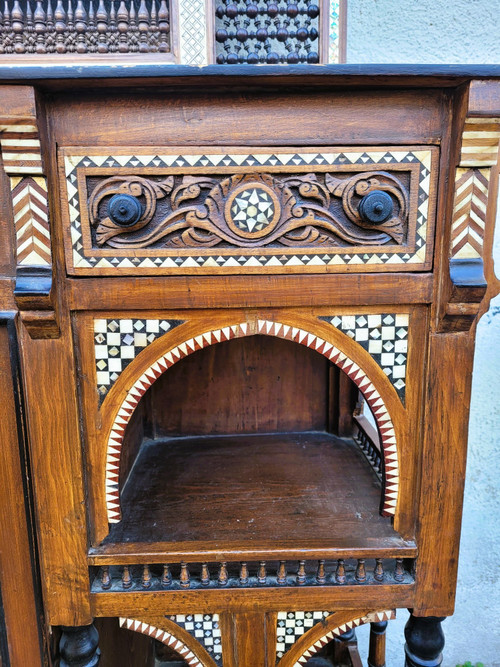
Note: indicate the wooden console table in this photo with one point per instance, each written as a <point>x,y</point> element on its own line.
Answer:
<point>238,319</point>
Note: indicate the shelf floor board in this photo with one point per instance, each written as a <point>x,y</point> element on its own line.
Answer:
<point>250,490</point>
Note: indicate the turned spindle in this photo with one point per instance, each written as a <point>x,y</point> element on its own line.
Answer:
<point>360,571</point>
<point>205,575</point>
<point>281,576</point>
<point>262,574</point>
<point>340,572</point>
<point>321,574</point>
<point>399,571</point>
<point>301,573</point>
<point>378,572</point>
<point>105,578</point>
<point>223,576</point>
<point>166,577</point>
<point>184,579</point>
<point>243,574</point>
<point>126,577</point>
<point>146,577</point>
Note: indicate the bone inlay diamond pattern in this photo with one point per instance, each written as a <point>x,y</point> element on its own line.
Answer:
<point>291,625</point>
<point>162,636</point>
<point>205,629</point>
<point>269,328</point>
<point>85,258</point>
<point>385,337</point>
<point>118,341</point>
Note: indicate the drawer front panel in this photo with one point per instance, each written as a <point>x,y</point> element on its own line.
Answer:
<point>195,211</point>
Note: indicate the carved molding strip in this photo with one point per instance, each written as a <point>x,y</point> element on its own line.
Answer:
<point>385,337</point>
<point>373,617</point>
<point>306,216</point>
<point>166,638</point>
<point>118,341</point>
<point>357,375</point>
<point>480,145</point>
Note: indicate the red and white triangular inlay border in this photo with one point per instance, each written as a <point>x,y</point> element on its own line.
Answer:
<point>376,616</point>
<point>164,637</point>
<point>296,334</point>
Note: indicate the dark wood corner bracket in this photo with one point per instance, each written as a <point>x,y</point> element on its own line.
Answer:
<point>474,209</point>
<point>23,164</point>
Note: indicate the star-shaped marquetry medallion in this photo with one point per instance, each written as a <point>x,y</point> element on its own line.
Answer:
<point>252,210</point>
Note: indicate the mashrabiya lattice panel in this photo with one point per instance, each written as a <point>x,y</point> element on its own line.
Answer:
<point>295,334</point>
<point>189,259</point>
<point>118,341</point>
<point>385,337</point>
<point>164,637</point>
<point>374,617</point>
<point>291,625</point>
<point>193,32</point>
<point>205,629</point>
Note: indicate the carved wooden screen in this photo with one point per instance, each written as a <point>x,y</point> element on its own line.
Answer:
<point>188,32</point>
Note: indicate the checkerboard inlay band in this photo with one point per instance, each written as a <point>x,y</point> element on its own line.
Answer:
<point>385,337</point>
<point>117,342</point>
<point>205,629</point>
<point>291,625</point>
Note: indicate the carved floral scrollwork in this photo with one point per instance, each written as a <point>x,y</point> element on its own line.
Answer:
<point>250,210</point>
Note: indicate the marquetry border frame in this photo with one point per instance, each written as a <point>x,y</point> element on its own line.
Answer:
<point>81,259</point>
<point>335,625</point>
<point>171,634</point>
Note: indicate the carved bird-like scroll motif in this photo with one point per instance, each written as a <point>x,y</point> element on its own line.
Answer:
<point>249,210</point>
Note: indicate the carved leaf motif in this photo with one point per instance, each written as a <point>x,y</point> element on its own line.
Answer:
<point>301,212</point>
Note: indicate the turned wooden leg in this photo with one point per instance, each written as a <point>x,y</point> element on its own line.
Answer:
<point>376,656</point>
<point>78,646</point>
<point>424,641</point>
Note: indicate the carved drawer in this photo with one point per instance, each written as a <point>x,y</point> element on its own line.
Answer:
<point>228,210</point>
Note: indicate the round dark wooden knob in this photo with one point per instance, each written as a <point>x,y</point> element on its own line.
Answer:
<point>376,207</point>
<point>124,210</point>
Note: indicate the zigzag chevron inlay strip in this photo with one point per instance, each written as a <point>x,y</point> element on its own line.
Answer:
<point>29,200</point>
<point>356,374</point>
<point>469,213</point>
<point>164,637</point>
<point>377,616</point>
<point>480,140</point>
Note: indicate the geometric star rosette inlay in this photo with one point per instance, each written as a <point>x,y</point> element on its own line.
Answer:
<point>385,337</point>
<point>253,210</point>
<point>117,342</point>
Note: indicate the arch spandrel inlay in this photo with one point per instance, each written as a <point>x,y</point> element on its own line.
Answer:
<point>267,327</point>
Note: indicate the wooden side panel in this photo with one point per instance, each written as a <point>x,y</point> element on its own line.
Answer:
<point>49,373</point>
<point>443,471</point>
<point>18,586</point>
<point>252,385</point>
<point>249,640</point>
